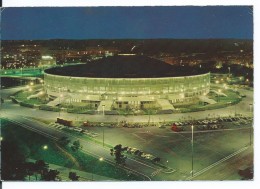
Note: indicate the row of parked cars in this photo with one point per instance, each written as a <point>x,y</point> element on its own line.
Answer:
<point>140,153</point>
<point>137,125</point>
<point>73,128</point>
<point>212,121</point>
<point>57,125</point>
<point>210,124</point>
<point>210,127</point>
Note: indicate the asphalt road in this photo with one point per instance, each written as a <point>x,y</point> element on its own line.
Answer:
<point>228,170</point>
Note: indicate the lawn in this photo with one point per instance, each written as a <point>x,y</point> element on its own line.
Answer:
<point>95,166</point>
<point>22,96</point>
<point>32,145</point>
<point>222,101</point>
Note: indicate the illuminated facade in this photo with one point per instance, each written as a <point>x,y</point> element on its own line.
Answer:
<point>126,81</point>
<point>128,92</point>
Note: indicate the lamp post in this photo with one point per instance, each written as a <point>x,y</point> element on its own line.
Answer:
<point>103,109</point>
<point>149,117</point>
<point>250,132</point>
<point>59,103</point>
<point>41,81</point>
<point>235,106</point>
<point>235,109</point>
<point>192,150</point>
<point>99,159</point>
<point>250,135</point>
<point>102,124</point>
<point>45,147</point>
<point>167,163</point>
<point>219,91</point>
<point>250,108</point>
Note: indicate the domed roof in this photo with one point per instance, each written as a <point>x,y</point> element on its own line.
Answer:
<point>124,67</point>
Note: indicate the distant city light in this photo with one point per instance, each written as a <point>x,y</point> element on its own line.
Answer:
<point>47,57</point>
<point>126,54</point>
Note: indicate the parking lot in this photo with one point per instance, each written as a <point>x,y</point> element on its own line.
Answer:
<point>213,140</point>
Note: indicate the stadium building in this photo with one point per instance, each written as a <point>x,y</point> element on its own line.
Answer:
<point>119,82</point>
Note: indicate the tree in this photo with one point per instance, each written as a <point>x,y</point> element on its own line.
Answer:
<point>29,168</point>
<point>51,175</point>
<point>63,141</point>
<point>76,145</point>
<point>111,151</point>
<point>119,157</point>
<point>41,167</point>
<point>156,159</point>
<point>73,176</point>
<point>12,161</point>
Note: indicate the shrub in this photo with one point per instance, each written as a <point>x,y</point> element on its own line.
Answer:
<point>26,105</point>
<point>49,108</point>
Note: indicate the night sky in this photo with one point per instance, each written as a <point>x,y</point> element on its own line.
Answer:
<point>127,22</point>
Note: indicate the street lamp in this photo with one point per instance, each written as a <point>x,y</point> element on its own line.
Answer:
<point>192,150</point>
<point>250,107</point>
<point>100,159</point>
<point>103,109</point>
<point>250,135</point>
<point>59,102</point>
<point>45,147</point>
<point>219,91</point>
<point>250,132</point>
<point>167,163</point>
<point>41,81</point>
<point>102,124</point>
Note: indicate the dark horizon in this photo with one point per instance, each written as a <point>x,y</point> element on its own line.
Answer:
<point>172,22</point>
